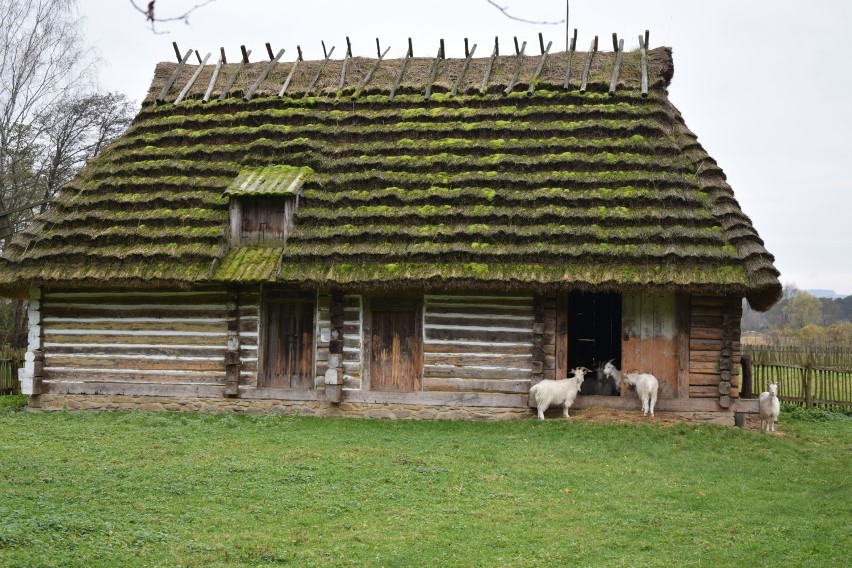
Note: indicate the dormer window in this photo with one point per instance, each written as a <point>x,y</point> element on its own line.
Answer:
<point>263,203</point>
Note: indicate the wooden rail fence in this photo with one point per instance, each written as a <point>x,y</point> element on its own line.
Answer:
<point>811,377</point>
<point>10,361</point>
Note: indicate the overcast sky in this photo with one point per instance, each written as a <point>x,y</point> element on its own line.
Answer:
<point>765,84</point>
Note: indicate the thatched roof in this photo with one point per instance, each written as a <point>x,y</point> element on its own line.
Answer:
<point>554,189</point>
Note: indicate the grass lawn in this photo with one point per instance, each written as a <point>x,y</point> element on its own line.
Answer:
<point>138,489</point>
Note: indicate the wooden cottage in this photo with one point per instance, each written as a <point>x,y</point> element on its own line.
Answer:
<point>413,237</point>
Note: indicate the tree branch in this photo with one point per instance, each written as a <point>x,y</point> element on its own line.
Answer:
<point>152,17</point>
<point>511,17</point>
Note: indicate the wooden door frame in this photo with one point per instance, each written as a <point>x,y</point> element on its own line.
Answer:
<point>367,337</point>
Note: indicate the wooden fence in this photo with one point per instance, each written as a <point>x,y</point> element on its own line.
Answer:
<point>808,376</point>
<point>10,361</point>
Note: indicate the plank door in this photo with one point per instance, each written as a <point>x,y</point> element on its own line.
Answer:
<point>395,351</point>
<point>651,339</point>
<point>288,345</point>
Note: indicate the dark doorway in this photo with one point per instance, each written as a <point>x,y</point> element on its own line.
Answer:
<point>395,346</point>
<point>288,344</point>
<point>594,334</point>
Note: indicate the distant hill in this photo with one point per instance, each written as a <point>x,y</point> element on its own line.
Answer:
<point>825,294</point>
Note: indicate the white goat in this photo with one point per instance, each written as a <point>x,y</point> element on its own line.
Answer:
<point>646,387</point>
<point>551,392</point>
<point>769,408</point>
<point>613,373</point>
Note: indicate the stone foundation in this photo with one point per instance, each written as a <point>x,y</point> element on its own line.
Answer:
<point>388,411</point>
<point>299,408</point>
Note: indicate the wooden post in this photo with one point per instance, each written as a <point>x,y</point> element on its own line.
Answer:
<point>514,79</point>
<point>592,49</point>
<point>538,355</point>
<point>322,66</point>
<point>468,57</point>
<point>289,77</point>
<point>561,336</point>
<point>570,58</point>
<point>213,77</point>
<point>746,388</point>
<point>807,385</point>
<point>233,78</point>
<point>264,74</point>
<point>617,67</point>
<point>643,63</point>
<point>173,78</point>
<point>538,70</point>
<point>372,70</point>
<point>494,54</point>
<point>401,72</point>
<point>432,75</point>
<point>192,79</point>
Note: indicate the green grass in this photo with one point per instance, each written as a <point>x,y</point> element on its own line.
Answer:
<point>134,489</point>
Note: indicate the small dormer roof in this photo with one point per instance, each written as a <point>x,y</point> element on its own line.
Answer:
<point>269,181</point>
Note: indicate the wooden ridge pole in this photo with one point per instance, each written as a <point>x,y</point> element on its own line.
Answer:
<point>487,75</point>
<point>375,66</point>
<point>224,94</point>
<point>321,67</point>
<point>345,64</point>
<point>520,61</point>
<point>617,67</point>
<point>540,67</point>
<point>192,79</point>
<point>264,74</point>
<point>215,75</point>
<point>292,70</point>
<point>434,73</point>
<point>571,50</point>
<point>643,55</point>
<point>592,49</point>
<point>468,57</point>
<point>175,74</point>
<point>409,54</point>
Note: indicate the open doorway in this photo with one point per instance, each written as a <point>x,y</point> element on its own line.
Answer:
<point>594,336</point>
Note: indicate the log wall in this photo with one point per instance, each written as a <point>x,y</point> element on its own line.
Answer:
<point>478,343</point>
<point>174,337</point>
<point>714,348</point>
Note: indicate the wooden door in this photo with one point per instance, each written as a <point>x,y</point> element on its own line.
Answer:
<point>651,339</point>
<point>395,351</point>
<point>288,345</point>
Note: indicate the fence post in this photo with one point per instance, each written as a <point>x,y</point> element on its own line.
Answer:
<point>806,377</point>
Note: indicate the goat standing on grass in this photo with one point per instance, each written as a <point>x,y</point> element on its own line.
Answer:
<point>769,407</point>
<point>646,387</point>
<point>551,392</point>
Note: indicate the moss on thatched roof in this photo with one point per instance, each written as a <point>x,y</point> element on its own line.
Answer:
<point>544,188</point>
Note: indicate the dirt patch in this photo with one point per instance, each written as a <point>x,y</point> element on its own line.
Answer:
<point>620,416</point>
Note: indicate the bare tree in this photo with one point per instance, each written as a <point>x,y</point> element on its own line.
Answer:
<point>52,120</point>
<point>43,62</point>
